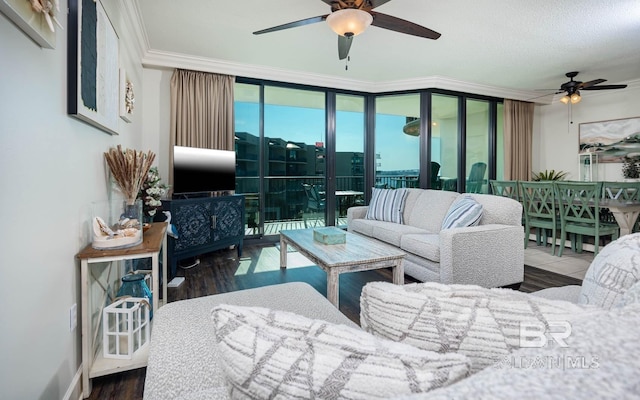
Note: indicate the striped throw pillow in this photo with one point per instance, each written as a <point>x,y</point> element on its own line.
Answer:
<point>465,211</point>
<point>387,205</point>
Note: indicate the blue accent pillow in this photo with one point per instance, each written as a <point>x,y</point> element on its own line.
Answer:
<point>387,205</point>
<point>465,211</point>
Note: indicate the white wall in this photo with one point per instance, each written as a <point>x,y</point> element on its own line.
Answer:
<point>51,170</point>
<point>556,140</point>
<point>156,91</point>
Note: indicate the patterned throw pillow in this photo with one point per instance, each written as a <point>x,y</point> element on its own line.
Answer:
<point>614,270</point>
<point>275,354</point>
<point>387,205</point>
<point>483,324</point>
<point>631,296</point>
<point>465,211</point>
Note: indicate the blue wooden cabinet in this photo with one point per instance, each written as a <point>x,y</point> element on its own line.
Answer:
<point>204,224</point>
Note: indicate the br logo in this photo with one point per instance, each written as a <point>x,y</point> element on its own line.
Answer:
<point>537,334</point>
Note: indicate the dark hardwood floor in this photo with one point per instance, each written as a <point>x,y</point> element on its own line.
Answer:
<point>222,271</point>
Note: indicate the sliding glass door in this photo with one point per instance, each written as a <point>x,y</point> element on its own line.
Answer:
<point>349,155</point>
<point>397,148</point>
<point>289,138</point>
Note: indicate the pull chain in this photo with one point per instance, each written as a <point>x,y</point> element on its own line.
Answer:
<point>346,64</point>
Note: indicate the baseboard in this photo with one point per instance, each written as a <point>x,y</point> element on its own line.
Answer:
<point>75,384</point>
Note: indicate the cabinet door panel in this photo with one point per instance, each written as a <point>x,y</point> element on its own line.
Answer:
<point>193,222</point>
<point>229,218</point>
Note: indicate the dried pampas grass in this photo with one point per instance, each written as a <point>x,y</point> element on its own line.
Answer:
<point>129,169</point>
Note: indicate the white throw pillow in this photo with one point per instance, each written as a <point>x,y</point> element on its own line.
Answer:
<point>483,324</point>
<point>275,354</point>
<point>465,211</point>
<point>387,205</point>
<point>614,270</point>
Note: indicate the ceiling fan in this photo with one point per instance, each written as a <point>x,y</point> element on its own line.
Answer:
<point>349,18</point>
<point>573,88</point>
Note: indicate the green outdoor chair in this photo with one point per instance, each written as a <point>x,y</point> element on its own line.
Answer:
<point>508,189</point>
<point>579,204</point>
<point>540,211</point>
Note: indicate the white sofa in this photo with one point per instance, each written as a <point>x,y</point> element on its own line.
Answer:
<point>490,254</point>
<point>599,359</point>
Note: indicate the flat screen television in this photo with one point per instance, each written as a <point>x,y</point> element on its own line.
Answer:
<point>202,171</point>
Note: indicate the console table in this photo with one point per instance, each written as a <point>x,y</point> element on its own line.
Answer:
<point>204,224</point>
<point>93,363</point>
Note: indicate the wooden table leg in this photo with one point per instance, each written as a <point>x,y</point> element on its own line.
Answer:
<point>625,220</point>
<point>398,273</point>
<point>283,253</point>
<point>333,291</point>
<point>87,356</point>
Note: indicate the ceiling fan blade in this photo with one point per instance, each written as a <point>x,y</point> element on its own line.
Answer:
<point>377,3</point>
<point>295,24</point>
<point>400,25</point>
<point>604,87</point>
<point>344,44</point>
<point>585,85</point>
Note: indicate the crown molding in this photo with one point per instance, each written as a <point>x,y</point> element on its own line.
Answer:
<point>155,59</point>
<point>160,59</point>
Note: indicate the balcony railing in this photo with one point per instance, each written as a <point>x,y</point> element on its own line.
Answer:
<point>285,200</point>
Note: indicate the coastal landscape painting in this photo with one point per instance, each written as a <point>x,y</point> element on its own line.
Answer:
<point>612,140</point>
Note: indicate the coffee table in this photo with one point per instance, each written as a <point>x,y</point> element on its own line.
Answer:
<point>357,254</point>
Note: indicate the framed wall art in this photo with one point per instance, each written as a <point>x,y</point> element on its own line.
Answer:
<point>39,22</point>
<point>93,73</point>
<point>612,140</point>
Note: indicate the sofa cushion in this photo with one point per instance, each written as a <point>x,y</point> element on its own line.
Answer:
<point>387,205</point>
<point>483,324</point>
<point>426,245</point>
<point>269,354</point>
<point>429,209</point>
<point>600,362</point>
<point>465,211</point>
<point>614,270</point>
<point>391,233</point>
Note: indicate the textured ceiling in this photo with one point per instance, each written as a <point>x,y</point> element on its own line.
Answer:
<point>513,44</point>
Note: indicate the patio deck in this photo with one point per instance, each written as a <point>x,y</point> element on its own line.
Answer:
<point>274,227</point>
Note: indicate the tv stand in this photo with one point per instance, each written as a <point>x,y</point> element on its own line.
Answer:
<point>204,224</point>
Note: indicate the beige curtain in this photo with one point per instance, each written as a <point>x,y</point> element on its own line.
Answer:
<point>518,138</point>
<point>201,111</point>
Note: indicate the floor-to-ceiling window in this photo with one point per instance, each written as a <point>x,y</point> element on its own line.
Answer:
<point>397,143</point>
<point>349,155</point>
<point>288,138</point>
<point>247,108</point>
<point>445,126</point>
<point>294,156</point>
<point>477,146</point>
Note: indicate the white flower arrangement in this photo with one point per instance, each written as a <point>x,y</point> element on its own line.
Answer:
<point>152,192</point>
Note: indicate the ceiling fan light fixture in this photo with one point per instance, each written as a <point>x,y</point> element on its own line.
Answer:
<point>575,98</point>
<point>349,21</point>
<point>565,99</point>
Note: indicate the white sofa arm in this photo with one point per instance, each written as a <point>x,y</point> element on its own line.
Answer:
<point>358,212</point>
<point>485,255</point>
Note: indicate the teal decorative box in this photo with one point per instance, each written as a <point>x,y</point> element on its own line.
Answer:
<point>329,235</point>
